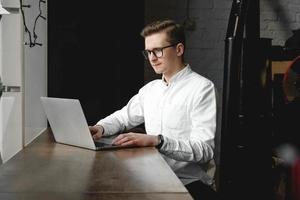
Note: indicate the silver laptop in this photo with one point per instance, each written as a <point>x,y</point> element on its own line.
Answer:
<point>69,125</point>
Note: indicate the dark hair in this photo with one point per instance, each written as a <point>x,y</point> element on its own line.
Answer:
<point>174,31</point>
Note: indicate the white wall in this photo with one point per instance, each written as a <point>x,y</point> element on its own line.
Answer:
<point>11,73</point>
<point>35,71</point>
<point>21,115</point>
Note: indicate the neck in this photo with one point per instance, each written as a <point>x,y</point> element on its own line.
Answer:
<point>167,76</point>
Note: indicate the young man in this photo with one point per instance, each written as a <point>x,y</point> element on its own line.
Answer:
<point>178,110</point>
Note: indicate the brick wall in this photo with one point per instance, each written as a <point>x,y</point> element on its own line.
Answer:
<point>205,44</point>
<point>278,18</point>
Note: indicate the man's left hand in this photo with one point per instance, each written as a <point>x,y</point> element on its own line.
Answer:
<point>136,139</point>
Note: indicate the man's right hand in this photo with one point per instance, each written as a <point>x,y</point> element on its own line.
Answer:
<point>96,131</point>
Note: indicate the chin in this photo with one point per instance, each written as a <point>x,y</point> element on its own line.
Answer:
<point>158,71</point>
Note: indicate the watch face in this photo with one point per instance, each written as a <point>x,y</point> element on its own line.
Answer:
<point>161,141</point>
<point>159,138</point>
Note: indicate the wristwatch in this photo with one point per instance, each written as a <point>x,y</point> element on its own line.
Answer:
<point>161,141</point>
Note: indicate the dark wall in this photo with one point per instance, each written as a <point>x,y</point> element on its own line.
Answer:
<point>95,54</point>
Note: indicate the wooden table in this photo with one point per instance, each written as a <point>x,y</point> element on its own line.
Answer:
<point>48,170</point>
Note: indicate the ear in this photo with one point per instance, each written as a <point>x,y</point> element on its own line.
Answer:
<point>179,49</point>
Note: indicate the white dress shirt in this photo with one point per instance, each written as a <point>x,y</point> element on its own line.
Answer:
<point>184,112</point>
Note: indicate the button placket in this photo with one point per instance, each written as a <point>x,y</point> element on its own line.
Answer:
<point>163,107</point>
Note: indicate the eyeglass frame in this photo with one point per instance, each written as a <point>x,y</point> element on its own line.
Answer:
<point>147,53</point>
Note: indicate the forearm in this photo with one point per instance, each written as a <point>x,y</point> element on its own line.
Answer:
<point>119,121</point>
<point>112,124</point>
<point>188,150</point>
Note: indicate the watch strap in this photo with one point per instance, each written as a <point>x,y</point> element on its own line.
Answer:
<point>161,141</point>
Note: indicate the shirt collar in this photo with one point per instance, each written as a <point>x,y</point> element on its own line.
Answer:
<point>179,75</point>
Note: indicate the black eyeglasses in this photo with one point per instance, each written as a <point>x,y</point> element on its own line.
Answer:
<point>157,52</point>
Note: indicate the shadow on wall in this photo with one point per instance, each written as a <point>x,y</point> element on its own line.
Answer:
<point>276,6</point>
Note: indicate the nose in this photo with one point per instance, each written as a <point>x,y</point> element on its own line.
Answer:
<point>152,56</point>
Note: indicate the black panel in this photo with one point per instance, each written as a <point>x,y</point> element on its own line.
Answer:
<point>94,53</point>
<point>246,113</point>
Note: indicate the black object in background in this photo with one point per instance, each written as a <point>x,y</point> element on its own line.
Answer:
<point>95,53</point>
<point>246,108</point>
<point>293,42</point>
